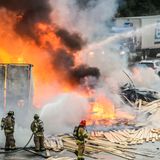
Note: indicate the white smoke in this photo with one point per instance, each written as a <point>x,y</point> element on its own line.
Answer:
<point>146,78</point>
<point>90,21</point>
<point>66,111</point>
<point>106,60</point>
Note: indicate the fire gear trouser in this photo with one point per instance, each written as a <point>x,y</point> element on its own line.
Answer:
<point>39,142</point>
<point>81,148</point>
<point>10,141</point>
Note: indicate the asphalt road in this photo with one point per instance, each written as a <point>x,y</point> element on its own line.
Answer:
<point>147,148</point>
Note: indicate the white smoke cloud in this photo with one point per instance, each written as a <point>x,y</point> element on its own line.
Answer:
<point>106,60</point>
<point>66,111</point>
<point>146,77</point>
<point>90,22</point>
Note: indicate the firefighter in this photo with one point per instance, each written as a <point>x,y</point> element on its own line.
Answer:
<point>38,129</point>
<point>80,140</point>
<point>8,124</point>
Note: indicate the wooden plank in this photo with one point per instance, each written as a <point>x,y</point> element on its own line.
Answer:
<point>115,137</point>
<point>148,136</point>
<point>145,133</point>
<point>109,137</point>
<point>47,153</point>
<point>121,137</point>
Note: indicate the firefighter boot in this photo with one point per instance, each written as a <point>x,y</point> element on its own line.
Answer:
<point>76,152</point>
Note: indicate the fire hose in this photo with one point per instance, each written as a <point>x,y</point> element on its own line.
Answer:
<point>25,148</point>
<point>20,149</point>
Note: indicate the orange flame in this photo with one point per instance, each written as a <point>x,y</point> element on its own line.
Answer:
<point>101,110</point>
<point>46,34</point>
<point>15,49</point>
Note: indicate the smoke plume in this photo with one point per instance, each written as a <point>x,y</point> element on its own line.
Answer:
<point>88,17</point>
<point>28,14</point>
<point>83,71</point>
<point>73,41</point>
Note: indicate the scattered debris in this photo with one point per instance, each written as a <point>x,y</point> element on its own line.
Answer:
<point>131,93</point>
<point>54,143</point>
<point>118,142</point>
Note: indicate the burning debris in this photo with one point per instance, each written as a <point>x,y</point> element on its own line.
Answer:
<point>117,142</point>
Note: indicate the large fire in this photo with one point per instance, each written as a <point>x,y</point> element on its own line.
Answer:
<point>15,49</point>
<point>47,83</point>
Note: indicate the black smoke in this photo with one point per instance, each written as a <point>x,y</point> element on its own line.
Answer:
<point>30,11</point>
<point>62,60</point>
<point>72,41</point>
<point>83,71</point>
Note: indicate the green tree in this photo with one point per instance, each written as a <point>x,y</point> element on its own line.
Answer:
<point>138,8</point>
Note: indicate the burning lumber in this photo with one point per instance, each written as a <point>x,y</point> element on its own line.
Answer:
<point>116,142</point>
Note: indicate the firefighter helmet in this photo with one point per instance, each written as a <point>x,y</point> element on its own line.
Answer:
<point>11,113</point>
<point>83,123</point>
<point>36,116</point>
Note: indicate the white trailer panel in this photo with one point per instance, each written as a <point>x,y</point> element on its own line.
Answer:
<point>147,30</point>
<point>150,32</point>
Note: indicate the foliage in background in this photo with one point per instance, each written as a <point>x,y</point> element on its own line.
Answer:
<point>129,8</point>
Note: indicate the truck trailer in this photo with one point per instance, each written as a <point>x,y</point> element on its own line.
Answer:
<point>144,37</point>
<point>16,86</point>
